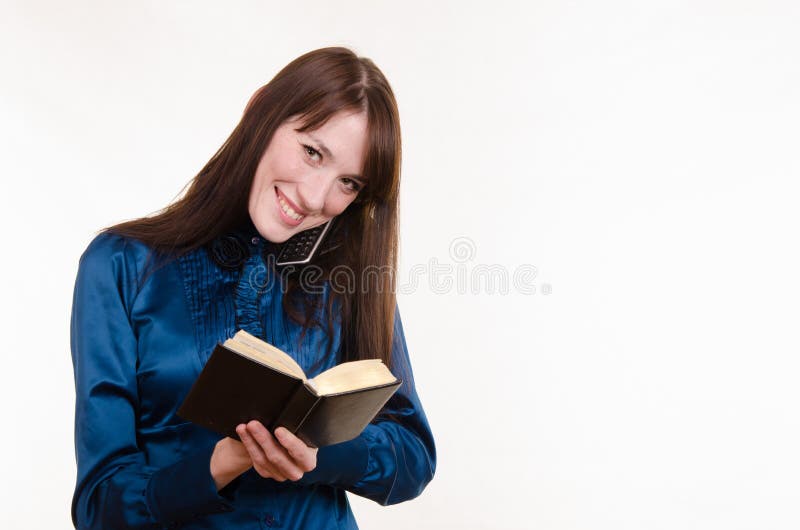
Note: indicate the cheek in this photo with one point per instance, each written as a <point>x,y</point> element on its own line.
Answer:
<point>280,169</point>
<point>288,168</point>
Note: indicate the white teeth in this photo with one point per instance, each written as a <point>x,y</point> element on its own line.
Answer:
<point>288,210</point>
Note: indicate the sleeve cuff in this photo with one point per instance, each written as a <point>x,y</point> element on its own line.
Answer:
<point>341,464</point>
<point>186,490</point>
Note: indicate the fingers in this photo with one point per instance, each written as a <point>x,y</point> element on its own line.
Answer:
<point>273,454</point>
<point>261,464</point>
<point>304,456</point>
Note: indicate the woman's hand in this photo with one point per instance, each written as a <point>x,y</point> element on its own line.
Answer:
<point>280,457</point>
<point>229,460</point>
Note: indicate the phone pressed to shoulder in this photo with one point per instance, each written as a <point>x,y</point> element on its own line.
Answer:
<point>301,247</point>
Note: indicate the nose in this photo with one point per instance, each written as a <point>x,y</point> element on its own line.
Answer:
<point>312,192</point>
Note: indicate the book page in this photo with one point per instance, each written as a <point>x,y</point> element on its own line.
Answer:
<point>351,376</point>
<point>250,346</point>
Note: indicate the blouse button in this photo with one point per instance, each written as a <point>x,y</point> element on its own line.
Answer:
<point>254,240</point>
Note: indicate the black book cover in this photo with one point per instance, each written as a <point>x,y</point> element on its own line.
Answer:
<point>334,418</point>
<point>234,389</point>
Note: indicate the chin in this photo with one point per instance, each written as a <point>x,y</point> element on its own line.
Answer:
<point>273,233</point>
<point>276,236</point>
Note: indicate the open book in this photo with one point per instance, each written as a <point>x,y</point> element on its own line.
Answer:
<point>248,379</point>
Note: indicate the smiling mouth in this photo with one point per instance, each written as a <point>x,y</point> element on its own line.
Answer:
<point>287,209</point>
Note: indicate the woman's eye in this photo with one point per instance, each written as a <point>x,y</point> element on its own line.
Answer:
<point>351,185</point>
<point>313,153</point>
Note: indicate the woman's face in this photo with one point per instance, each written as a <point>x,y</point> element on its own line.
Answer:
<point>305,179</point>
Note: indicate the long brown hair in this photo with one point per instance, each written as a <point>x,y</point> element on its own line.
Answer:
<point>314,87</point>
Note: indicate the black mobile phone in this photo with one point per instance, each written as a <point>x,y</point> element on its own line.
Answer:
<point>301,247</point>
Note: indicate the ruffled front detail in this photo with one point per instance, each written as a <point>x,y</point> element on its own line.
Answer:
<point>208,290</point>
<point>233,284</point>
<point>211,279</point>
<point>226,283</point>
<point>248,314</point>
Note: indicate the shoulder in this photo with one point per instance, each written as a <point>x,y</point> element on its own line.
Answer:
<point>112,262</point>
<point>108,248</point>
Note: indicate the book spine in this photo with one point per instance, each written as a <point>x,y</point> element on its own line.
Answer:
<point>297,409</point>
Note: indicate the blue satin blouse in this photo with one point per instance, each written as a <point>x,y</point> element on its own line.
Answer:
<point>139,341</point>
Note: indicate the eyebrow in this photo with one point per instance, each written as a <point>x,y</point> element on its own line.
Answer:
<point>327,152</point>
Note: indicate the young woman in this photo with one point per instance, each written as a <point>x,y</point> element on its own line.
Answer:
<point>154,296</point>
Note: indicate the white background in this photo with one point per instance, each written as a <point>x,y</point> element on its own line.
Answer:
<point>643,156</point>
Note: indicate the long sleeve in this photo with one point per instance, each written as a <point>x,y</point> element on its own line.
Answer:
<point>116,488</point>
<point>395,457</point>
